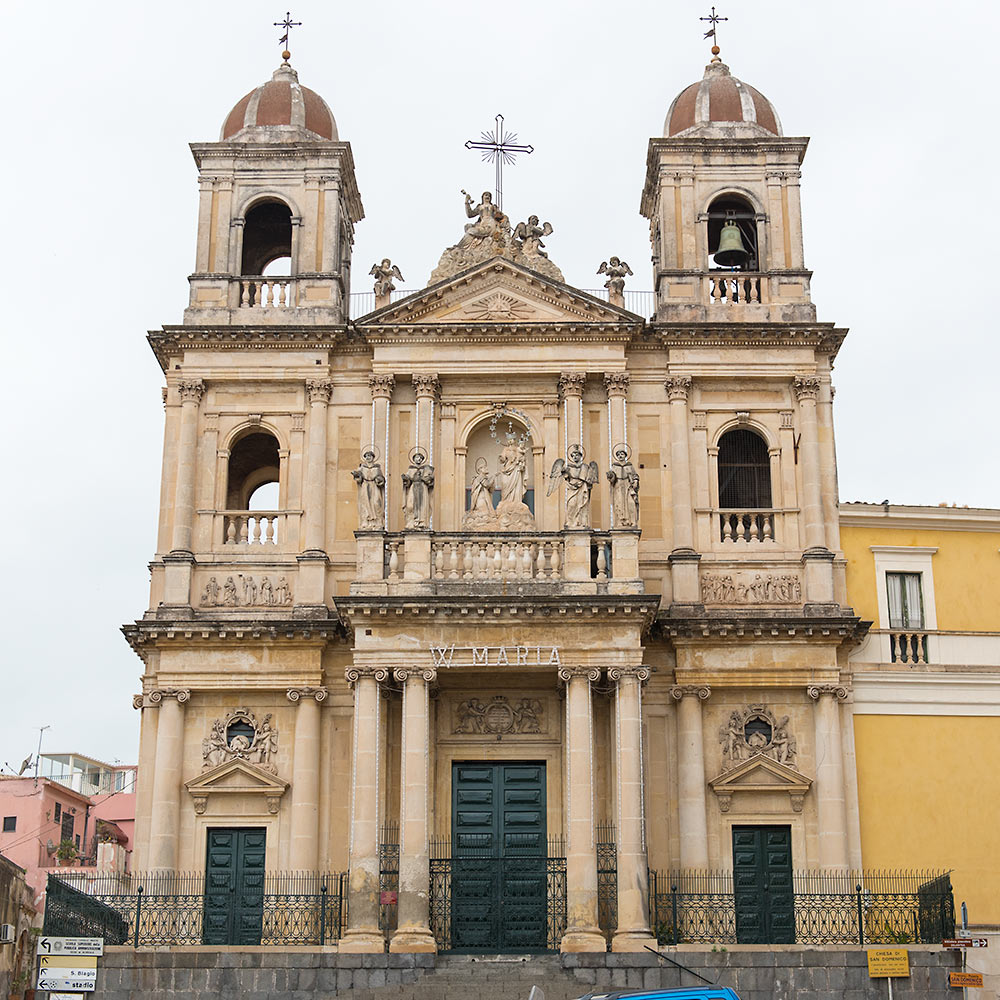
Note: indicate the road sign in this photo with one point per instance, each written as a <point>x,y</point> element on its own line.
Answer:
<point>71,946</point>
<point>64,996</point>
<point>883,962</point>
<point>965,942</point>
<point>67,962</point>
<point>75,985</point>
<point>965,979</point>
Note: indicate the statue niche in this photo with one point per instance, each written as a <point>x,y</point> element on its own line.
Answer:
<point>497,488</point>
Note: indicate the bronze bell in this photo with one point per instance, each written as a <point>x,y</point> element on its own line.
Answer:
<point>731,252</point>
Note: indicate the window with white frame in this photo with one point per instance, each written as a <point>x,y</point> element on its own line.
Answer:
<point>905,599</point>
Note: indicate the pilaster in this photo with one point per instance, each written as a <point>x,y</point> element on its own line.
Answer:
<point>691,778</point>
<point>165,814</point>
<point>831,800</point>
<point>305,778</point>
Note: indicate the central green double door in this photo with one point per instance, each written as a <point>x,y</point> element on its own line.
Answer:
<point>498,881</point>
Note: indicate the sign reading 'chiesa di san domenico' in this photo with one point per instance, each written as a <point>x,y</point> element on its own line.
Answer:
<point>531,563</point>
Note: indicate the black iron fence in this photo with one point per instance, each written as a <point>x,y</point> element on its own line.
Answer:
<point>174,908</point>
<point>839,907</point>
<point>607,879</point>
<point>388,877</point>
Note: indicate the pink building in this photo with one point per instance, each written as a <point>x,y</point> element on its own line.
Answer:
<point>77,817</point>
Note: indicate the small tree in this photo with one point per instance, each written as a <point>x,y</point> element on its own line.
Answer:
<point>66,851</point>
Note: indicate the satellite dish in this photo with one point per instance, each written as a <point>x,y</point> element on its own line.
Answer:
<point>25,764</point>
<point>50,847</point>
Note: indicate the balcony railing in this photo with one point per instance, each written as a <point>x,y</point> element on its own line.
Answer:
<point>260,292</point>
<point>750,526</point>
<point>253,527</point>
<point>733,288</point>
<point>908,647</point>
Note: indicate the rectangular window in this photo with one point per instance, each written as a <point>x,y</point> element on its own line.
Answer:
<point>58,812</point>
<point>9,824</point>
<point>906,604</point>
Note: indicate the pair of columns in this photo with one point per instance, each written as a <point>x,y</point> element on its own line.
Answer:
<point>692,780</point>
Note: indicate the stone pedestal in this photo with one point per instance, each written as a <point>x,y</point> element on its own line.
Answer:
<point>576,554</point>
<point>625,561</point>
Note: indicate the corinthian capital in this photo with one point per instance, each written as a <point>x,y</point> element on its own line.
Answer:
<point>677,386</point>
<point>806,387</point>
<point>191,390</point>
<point>381,386</point>
<point>427,386</point>
<point>616,384</point>
<point>319,390</point>
<point>571,384</point>
<point>700,691</point>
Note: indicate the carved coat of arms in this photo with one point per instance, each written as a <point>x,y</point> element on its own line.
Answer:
<point>753,730</point>
<point>239,736</point>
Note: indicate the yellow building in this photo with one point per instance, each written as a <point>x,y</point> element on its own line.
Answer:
<point>927,693</point>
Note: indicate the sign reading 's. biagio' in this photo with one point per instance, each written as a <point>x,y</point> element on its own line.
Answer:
<point>495,656</point>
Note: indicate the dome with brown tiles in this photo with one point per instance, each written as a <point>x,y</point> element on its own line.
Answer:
<point>279,111</point>
<point>720,100</point>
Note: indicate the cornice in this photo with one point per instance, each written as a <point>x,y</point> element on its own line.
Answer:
<point>506,333</point>
<point>760,625</point>
<point>141,635</point>
<point>898,516</point>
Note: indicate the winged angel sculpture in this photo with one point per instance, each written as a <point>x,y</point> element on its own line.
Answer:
<point>383,274</point>
<point>580,477</point>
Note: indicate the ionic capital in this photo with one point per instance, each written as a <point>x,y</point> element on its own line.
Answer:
<point>295,695</point>
<point>700,691</point>
<point>677,386</point>
<point>838,691</point>
<point>156,696</point>
<point>806,387</point>
<point>640,674</point>
<point>191,390</point>
<point>427,674</point>
<point>427,386</point>
<point>138,700</point>
<point>355,674</point>
<point>566,674</point>
<point>571,384</point>
<point>616,384</point>
<point>319,390</point>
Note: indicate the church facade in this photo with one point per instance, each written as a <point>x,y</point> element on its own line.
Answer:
<point>539,579</point>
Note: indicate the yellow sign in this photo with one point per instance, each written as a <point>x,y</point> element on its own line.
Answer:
<point>892,962</point>
<point>965,979</point>
<point>67,962</point>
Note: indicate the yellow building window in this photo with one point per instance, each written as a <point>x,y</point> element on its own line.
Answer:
<point>906,605</point>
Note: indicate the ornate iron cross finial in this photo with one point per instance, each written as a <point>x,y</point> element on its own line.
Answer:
<point>712,32</point>
<point>287,24</point>
<point>499,147</point>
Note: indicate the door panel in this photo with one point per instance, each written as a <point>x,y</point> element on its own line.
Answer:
<point>234,886</point>
<point>762,883</point>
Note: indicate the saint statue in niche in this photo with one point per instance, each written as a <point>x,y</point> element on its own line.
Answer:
<point>371,495</point>
<point>512,512</point>
<point>624,488</point>
<point>481,513</point>
<point>418,481</point>
<point>580,477</point>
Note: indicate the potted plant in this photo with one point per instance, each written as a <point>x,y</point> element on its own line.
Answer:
<point>66,852</point>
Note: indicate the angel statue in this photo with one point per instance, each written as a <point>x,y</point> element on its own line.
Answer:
<point>418,481</point>
<point>624,488</point>
<point>580,478</point>
<point>528,237</point>
<point>384,273</point>
<point>616,270</point>
<point>371,495</point>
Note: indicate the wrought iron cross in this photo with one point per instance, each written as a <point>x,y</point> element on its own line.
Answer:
<point>713,31</point>
<point>287,24</point>
<point>499,147</point>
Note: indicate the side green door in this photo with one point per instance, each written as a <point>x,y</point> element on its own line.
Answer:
<point>234,886</point>
<point>762,882</point>
<point>498,886</point>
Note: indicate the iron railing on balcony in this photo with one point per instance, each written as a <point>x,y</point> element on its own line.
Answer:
<point>179,908</point>
<point>839,907</point>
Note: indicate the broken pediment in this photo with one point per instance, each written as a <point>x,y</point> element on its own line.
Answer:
<point>761,774</point>
<point>237,777</point>
<point>498,291</point>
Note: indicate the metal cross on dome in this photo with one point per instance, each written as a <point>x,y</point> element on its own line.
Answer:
<point>714,19</point>
<point>499,147</point>
<point>287,24</point>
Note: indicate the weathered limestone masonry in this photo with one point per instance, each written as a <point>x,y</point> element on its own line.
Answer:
<point>755,973</point>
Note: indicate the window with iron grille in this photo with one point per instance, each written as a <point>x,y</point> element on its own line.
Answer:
<point>906,601</point>
<point>58,812</point>
<point>744,471</point>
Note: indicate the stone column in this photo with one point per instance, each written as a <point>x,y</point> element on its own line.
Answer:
<point>165,813</point>
<point>683,558</point>
<point>310,597</point>
<point>616,386</point>
<point>413,932</point>
<point>633,932</point>
<point>831,804</point>
<point>427,389</point>
<point>691,814</point>
<point>381,387</point>
<point>571,385</point>
<point>363,933</point>
<point>817,558</point>
<point>582,932</point>
<point>547,513</point>
<point>304,855</point>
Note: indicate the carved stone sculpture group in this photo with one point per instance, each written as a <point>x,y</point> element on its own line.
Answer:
<point>247,593</point>
<point>498,716</point>
<point>755,730</point>
<point>764,588</point>
<point>239,736</point>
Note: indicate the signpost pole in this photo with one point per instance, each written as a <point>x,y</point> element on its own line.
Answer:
<point>888,979</point>
<point>965,951</point>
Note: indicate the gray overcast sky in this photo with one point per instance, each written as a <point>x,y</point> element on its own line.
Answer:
<point>100,222</point>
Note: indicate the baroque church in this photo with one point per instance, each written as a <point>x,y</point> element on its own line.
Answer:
<point>540,579</point>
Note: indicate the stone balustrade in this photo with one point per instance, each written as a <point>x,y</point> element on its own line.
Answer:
<point>908,647</point>
<point>733,288</point>
<point>746,526</point>
<point>485,557</point>
<point>267,293</point>
<point>252,527</point>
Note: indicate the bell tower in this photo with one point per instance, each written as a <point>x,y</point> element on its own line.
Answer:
<point>277,212</point>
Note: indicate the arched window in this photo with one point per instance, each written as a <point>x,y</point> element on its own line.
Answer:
<point>253,464</point>
<point>723,215</point>
<point>267,237</point>
<point>744,471</point>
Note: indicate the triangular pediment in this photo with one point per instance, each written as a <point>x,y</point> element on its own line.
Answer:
<point>237,777</point>
<point>761,774</point>
<point>500,292</point>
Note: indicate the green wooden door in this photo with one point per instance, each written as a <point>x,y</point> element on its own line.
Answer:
<point>498,887</point>
<point>762,882</point>
<point>234,886</point>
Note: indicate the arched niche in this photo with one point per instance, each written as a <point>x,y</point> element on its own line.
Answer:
<point>492,447</point>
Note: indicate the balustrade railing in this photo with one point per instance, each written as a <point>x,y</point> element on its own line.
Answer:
<point>461,557</point>
<point>908,647</point>
<point>733,287</point>
<point>258,292</point>
<point>252,527</point>
<point>751,526</point>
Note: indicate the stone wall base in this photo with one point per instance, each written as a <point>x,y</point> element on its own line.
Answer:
<point>755,972</point>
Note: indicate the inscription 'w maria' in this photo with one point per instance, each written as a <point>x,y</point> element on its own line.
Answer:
<point>495,656</point>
